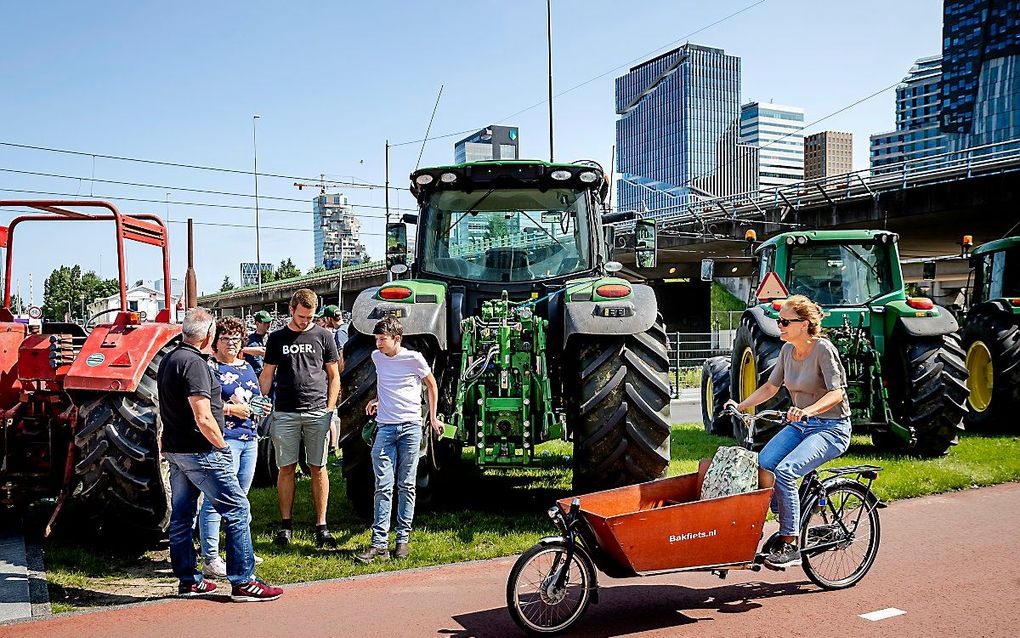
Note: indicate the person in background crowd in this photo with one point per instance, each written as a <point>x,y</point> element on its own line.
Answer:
<point>191,412</point>
<point>400,374</point>
<point>335,322</point>
<point>239,386</point>
<point>818,423</point>
<point>255,347</point>
<point>302,358</point>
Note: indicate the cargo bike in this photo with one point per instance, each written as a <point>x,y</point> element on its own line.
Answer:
<point>663,526</point>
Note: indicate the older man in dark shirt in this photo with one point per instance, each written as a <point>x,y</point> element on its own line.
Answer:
<point>191,409</point>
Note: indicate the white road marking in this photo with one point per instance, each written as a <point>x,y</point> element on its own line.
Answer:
<point>882,614</point>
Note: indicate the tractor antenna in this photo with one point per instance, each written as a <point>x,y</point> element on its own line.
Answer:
<point>429,127</point>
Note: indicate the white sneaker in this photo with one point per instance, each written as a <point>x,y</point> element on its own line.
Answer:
<point>215,568</point>
<point>258,559</point>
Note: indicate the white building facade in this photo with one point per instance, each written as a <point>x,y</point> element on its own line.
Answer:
<point>777,132</point>
<point>336,231</point>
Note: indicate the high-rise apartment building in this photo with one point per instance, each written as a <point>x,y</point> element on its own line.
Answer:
<point>980,72</point>
<point>828,153</point>
<point>776,131</point>
<point>917,133</point>
<point>491,143</point>
<point>336,231</point>
<point>678,131</point>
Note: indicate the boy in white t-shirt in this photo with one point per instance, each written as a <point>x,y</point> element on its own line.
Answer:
<point>400,374</point>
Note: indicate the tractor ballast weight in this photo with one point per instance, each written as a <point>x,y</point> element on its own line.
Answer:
<point>991,337</point>
<point>530,336</point>
<point>79,409</point>
<point>905,372</point>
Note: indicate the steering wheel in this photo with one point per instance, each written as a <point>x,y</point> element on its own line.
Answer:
<point>88,327</point>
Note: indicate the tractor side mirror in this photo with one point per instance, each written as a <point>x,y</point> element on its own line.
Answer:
<point>610,242</point>
<point>707,269</point>
<point>928,270</point>
<point>645,246</point>
<point>396,244</point>
<point>410,218</point>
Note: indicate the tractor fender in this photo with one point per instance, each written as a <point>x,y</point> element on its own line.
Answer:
<point>942,323</point>
<point>115,356</point>
<point>639,312</point>
<point>418,317</point>
<point>767,324</point>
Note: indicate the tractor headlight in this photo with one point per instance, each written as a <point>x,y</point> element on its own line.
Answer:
<point>790,240</point>
<point>448,178</point>
<point>561,176</point>
<point>802,239</point>
<point>588,177</point>
<point>423,180</point>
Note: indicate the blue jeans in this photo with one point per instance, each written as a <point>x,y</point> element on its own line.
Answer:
<point>243,456</point>
<point>211,474</point>
<point>395,451</point>
<point>797,449</point>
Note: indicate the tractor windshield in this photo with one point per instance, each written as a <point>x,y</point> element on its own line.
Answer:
<point>839,274</point>
<point>505,235</point>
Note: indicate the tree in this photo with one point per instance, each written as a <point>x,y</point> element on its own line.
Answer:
<point>227,284</point>
<point>317,269</point>
<point>286,270</point>
<point>497,228</point>
<point>68,291</point>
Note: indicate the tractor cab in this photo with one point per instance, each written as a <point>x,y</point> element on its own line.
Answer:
<point>997,271</point>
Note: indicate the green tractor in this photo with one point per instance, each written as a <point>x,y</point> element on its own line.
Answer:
<point>905,367</point>
<point>512,299</point>
<point>991,336</point>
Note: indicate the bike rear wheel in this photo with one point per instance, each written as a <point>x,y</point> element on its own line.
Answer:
<point>840,535</point>
<point>536,604</point>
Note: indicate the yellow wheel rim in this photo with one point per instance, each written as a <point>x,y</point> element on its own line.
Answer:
<point>709,396</point>
<point>980,374</point>
<point>748,375</point>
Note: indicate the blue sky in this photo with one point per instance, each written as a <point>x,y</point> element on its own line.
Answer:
<point>179,82</point>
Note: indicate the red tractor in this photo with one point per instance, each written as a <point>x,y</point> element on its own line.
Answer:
<point>78,404</point>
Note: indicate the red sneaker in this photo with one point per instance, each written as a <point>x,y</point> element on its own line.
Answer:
<point>201,588</point>
<point>254,591</point>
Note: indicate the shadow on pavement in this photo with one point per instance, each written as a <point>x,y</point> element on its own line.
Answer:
<point>628,609</point>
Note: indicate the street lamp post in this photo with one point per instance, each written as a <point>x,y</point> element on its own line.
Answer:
<point>258,242</point>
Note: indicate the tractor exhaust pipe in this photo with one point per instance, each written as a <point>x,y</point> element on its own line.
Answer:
<point>190,280</point>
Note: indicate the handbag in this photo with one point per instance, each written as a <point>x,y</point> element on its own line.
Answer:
<point>368,432</point>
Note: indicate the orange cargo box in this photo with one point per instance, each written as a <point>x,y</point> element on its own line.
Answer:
<point>662,526</point>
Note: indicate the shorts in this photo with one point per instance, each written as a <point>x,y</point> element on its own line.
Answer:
<point>289,428</point>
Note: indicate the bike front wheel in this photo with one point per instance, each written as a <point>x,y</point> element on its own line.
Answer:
<point>840,535</point>
<point>542,599</point>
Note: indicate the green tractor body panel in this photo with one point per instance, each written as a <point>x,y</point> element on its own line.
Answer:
<point>855,276</point>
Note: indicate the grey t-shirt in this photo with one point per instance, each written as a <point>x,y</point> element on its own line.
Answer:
<point>810,379</point>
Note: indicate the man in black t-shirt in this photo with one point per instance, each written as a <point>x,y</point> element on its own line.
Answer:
<point>191,410</point>
<point>303,359</point>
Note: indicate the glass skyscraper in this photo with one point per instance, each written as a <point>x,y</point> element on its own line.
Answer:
<point>917,133</point>
<point>678,130</point>
<point>980,72</point>
<point>491,143</point>
<point>335,231</point>
<point>777,132</point>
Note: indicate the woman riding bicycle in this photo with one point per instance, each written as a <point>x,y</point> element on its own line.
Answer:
<point>818,428</point>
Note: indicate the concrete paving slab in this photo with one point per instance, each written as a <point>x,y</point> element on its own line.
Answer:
<point>15,601</point>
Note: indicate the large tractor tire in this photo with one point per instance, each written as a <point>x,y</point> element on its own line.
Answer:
<point>755,355</point>
<point>927,382</point>
<point>991,341</point>
<point>618,401</point>
<point>715,392</point>
<point>124,480</point>
<point>358,382</point>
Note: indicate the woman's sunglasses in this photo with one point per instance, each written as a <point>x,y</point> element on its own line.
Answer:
<point>786,322</point>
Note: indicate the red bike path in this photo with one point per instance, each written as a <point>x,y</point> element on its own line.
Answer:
<point>950,562</point>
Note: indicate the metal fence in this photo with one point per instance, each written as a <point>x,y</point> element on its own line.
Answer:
<point>688,351</point>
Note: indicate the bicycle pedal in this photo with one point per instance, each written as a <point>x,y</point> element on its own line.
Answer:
<point>774,568</point>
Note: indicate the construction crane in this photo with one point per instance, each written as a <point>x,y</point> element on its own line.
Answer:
<point>323,183</point>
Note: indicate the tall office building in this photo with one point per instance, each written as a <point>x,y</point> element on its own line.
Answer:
<point>250,272</point>
<point>678,132</point>
<point>336,229</point>
<point>777,132</point>
<point>491,143</point>
<point>980,72</point>
<point>828,153</point>
<point>917,133</point>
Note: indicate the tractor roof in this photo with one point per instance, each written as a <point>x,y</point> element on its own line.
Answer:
<point>997,245</point>
<point>509,174</point>
<point>850,235</point>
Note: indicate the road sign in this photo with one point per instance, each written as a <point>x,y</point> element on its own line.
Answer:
<point>35,312</point>
<point>771,287</point>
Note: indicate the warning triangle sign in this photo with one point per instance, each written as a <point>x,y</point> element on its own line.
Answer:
<point>771,288</point>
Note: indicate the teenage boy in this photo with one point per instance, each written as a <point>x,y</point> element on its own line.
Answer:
<point>397,407</point>
<point>303,358</point>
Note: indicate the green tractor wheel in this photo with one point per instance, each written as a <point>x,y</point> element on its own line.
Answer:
<point>927,391</point>
<point>755,355</point>
<point>715,392</point>
<point>991,341</point>
<point>618,409</point>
